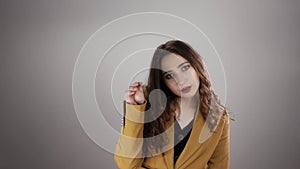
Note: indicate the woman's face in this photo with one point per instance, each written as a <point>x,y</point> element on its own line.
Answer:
<point>179,75</point>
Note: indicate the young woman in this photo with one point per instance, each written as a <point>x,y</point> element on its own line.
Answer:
<point>182,127</point>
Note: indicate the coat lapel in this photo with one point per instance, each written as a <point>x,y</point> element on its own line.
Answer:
<point>168,154</point>
<point>168,157</point>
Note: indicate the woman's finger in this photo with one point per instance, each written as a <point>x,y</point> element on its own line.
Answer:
<point>129,97</point>
<point>136,84</point>
<point>130,91</point>
<point>133,89</point>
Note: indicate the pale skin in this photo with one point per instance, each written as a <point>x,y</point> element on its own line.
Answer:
<point>178,75</point>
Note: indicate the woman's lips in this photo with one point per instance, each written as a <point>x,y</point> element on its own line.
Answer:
<point>186,89</point>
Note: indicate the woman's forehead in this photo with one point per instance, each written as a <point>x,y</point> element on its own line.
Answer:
<point>171,62</point>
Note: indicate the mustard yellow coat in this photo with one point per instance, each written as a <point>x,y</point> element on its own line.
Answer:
<point>210,151</point>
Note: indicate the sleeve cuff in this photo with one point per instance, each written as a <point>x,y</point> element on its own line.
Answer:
<point>134,113</point>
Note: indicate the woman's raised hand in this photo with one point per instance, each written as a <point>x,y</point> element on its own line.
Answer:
<point>135,94</point>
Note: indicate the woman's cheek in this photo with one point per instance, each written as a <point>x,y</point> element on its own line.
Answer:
<point>175,89</point>
<point>170,86</point>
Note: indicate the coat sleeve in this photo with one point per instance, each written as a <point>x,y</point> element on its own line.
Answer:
<point>128,153</point>
<point>221,156</point>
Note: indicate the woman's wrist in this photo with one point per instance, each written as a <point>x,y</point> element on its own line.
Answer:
<point>137,103</point>
<point>141,102</point>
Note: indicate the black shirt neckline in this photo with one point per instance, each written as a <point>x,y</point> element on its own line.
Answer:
<point>181,137</point>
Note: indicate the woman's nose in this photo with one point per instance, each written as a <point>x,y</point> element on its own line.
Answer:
<point>181,79</point>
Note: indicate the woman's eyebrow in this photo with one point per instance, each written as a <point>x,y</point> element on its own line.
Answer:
<point>177,67</point>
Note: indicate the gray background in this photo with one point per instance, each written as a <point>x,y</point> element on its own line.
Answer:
<point>258,42</point>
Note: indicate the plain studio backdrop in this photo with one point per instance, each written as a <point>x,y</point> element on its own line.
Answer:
<point>258,43</point>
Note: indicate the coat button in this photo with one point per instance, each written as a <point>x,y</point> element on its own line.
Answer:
<point>180,137</point>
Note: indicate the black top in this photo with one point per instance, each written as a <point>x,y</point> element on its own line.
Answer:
<point>181,136</point>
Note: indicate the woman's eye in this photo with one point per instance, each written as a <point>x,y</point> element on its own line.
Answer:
<point>185,68</point>
<point>169,76</point>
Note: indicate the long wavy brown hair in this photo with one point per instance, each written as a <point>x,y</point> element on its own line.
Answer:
<point>208,99</point>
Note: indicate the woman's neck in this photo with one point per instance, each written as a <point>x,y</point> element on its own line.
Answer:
<point>188,108</point>
<point>189,104</point>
